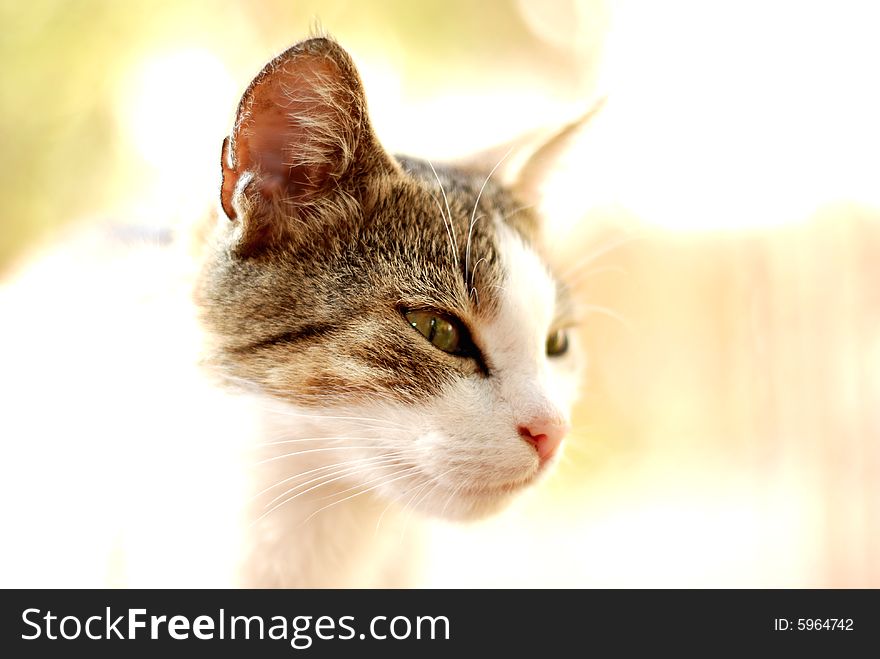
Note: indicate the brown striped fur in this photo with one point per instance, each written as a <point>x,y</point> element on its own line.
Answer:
<point>303,286</point>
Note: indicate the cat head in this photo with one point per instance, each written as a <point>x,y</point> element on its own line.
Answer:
<point>400,312</point>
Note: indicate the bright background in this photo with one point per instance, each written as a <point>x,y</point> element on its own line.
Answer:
<point>721,215</point>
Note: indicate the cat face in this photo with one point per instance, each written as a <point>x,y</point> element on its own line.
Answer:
<point>395,314</point>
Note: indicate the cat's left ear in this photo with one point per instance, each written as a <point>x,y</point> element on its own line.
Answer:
<point>300,146</point>
<point>530,177</point>
<point>527,162</point>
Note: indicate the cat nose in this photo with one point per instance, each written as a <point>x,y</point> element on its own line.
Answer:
<point>545,435</point>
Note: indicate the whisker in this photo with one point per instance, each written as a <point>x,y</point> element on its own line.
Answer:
<point>467,255</point>
<point>473,279</point>
<point>317,450</point>
<point>578,277</point>
<point>286,501</point>
<point>600,252</point>
<point>406,507</point>
<point>519,209</point>
<point>605,311</point>
<point>321,417</point>
<point>391,502</point>
<point>452,496</point>
<point>357,494</point>
<point>332,438</point>
<point>354,487</point>
<point>324,479</point>
<point>312,471</point>
<point>449,225</point>
<point>437,481</point>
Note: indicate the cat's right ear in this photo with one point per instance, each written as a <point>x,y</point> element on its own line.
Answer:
<point>301,133</point>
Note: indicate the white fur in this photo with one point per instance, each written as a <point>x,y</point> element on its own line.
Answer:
<point>459,456</point>
<point>127,467</point>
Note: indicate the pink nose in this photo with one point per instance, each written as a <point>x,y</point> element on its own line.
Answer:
<point>545,436</point>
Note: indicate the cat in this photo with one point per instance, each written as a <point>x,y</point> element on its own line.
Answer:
<point>380,341</point>
<point>414,345</point>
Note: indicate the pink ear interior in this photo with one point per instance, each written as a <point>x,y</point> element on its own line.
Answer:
<point>295,128</point>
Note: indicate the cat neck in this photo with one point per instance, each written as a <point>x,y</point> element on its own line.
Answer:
<point>309,525</point>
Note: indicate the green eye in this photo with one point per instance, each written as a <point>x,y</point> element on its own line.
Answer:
<point>441,332</point>
<point>557,343</point>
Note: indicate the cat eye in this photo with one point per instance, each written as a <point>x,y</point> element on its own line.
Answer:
<point>443,333</point>
<point>557,343</point>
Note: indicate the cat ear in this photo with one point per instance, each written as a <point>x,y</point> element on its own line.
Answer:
<point>537,167</point>
<point>301,130</point>
<point>525,163</point>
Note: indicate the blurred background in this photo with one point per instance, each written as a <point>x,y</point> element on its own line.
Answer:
<point>720,218</point>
